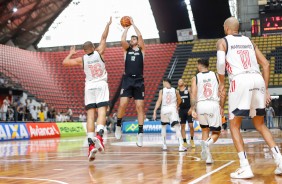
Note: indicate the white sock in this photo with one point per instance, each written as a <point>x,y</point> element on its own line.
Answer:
<point>164,133</point>
<point>276,152</point>
<point>178,134</point>
<point>209,141</point>
<point>243,159</point>
<point>99,127</point>
<point>90,135</point>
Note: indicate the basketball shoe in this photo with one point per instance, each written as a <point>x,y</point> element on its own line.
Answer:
<point>139,142</point>
<point>185,145</point>
<point>209,158</point>
<point>164,147</point>
<point>118,132</point>
<point>278,162</point>
<point>242,173</point>
<point>99,143</point>
<point>182,148</point>
<point>91,150</point>
<point>192,143</point>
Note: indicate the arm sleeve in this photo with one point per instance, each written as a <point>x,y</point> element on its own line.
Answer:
<point>220,62</point>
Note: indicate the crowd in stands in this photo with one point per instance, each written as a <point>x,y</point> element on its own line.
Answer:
<point>6,82</point>
<point>27,111</point>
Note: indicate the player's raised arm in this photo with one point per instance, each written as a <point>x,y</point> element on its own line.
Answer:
<point>178,97</point>
<point>102,46</point>
<point>72,62</point>
<point>158,104</point>
<point>139,35</point>
<point>124,43</point>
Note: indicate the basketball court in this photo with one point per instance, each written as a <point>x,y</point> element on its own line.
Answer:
<point>64,161</point>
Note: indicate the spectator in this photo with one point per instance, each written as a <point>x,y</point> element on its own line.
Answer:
<point>58,117</point>
<point>269,116</point>
<point>4,108</point>
<point>34,114</point>
<point>145,118</point>
<point>15,107</point>
<point>10,113</point>
<point>20,110</point>
<point>52,114</point>
<point>69,113</point>
<point>41,115</point>
<point>45,111</point>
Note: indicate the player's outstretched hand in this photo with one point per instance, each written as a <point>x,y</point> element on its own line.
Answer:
<point>131,21</point>
<point>110,21</point>
<point>72,50</point>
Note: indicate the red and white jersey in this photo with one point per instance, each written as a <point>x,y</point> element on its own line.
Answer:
<point>240,56</point>
<point>169,97</point>
<point>94,68</point>
<point>207,86</point>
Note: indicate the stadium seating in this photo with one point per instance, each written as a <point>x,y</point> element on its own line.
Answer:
<point>42,74</point>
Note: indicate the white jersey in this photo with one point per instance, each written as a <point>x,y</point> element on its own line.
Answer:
<point>94,68</point>
<point>240,56</point>
<point>169,97</point>
<point>207,85</point>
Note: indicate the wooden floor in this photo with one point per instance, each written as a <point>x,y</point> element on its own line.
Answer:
<point>64,161</point>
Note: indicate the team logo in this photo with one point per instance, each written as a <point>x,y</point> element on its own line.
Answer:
<point>186,92</point>
<point>121,91</point>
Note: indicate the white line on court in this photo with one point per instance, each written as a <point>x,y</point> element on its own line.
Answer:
<point>210,173</point>
<point>36,179</point>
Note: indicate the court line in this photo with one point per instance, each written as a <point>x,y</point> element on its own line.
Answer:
<point>210,173</point>
<point>36,179</point>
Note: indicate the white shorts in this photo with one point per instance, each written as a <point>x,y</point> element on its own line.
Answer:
<point>247,96</point>
<point>209,115</point>
<point>96,95</point>
<point>169,115</point>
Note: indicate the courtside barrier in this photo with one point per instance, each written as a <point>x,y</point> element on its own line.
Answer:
<point>13,131</point>
<point>39,130</point>
<point>153,127</point>
<point>71,129</point>
<point>42,130</point>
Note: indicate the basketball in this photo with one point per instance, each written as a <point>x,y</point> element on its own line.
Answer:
<point>125,21</point>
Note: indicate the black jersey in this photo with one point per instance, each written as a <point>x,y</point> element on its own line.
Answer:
<point>185,99</point>
<point>134,62</point>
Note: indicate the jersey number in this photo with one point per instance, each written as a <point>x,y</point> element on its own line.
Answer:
<point>207,90</point>
<point>96,70</point>
<point>245,58</point>
<point>168,99</point>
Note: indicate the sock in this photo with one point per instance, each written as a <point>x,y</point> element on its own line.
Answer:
<point>100,129</point>
<point>209,141</point>
<point>184,140</point>
<point>119,122</point>
<point>140,129</point>
<point>276,152</point>
<point>192,138</point>
<point>163,131</point>
<point>178,134</point>
<point>90,136</point>
<point>243,159</point>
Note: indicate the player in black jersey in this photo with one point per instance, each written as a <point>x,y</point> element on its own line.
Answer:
<point>184,113</point>
<point>133,81</point>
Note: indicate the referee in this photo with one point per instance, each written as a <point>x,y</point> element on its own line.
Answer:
<point>184,107</point>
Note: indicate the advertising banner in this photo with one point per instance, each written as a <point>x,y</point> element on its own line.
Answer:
<point>13,131</point>
<point>153,127</point>
<point>42,130</point>
<point>71,129</point>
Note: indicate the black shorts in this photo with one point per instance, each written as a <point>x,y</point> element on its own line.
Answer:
<point>133,86</point>
<point>183,114</point>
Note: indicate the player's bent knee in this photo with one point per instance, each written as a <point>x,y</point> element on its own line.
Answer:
<point>174,123</point>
